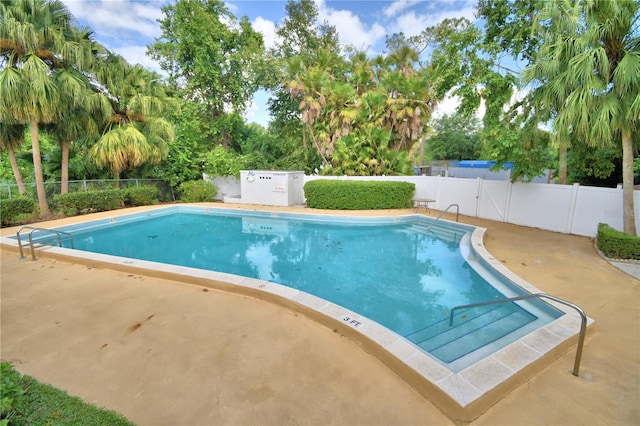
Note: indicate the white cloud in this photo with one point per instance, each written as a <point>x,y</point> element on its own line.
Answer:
<point>449,104</point>
<point>446,107</point>
<point>112,18</point>
<point>398,6</point>
<point>232,7</point>
<point>267,29</point>
<point>412,23</point>
<point>257,111</point>
<point>351,30</point>
<point>137,55</point>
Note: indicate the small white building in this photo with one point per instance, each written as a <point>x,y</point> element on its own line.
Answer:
<point>270,188</point>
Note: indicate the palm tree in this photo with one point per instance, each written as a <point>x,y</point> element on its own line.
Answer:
<point>80,123</point>
<point>135,132</point>
<point>80,120</point>
<point>11,137</point>
<point>588,68</point>
<point>42,60</point>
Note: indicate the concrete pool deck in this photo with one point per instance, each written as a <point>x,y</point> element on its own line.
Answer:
<point>135,344</point>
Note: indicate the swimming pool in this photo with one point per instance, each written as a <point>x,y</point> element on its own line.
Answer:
<point>460,387</point>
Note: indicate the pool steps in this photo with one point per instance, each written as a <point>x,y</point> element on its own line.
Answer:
<point>441,232</point>
<point>470,331</point>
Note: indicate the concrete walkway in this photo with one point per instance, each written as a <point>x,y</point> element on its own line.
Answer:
<point>162,352</point>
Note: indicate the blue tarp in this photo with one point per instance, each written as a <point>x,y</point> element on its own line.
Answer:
<point>483,164</point>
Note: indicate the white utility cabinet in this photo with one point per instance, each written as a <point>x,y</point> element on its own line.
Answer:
<point>272,188</point>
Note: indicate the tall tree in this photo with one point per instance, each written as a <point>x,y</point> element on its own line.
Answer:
<point>343,101</point>
<point>43,58</point>
<point>211,58</point>
<point>588,68</point>
<point>300,35</point>
<point>136,131</point>
<point>455,137</point>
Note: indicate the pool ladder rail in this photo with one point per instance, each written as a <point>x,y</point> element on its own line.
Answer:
<point>443,212</point>
<point>583,317</point>
<point>58,238</point>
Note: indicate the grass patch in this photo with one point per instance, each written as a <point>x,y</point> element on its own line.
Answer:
<point>25,401</point>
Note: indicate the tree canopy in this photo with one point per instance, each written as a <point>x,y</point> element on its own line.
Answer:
<point>585,76</point>
<point>211,58</point>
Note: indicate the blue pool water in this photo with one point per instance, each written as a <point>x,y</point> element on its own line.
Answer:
<point>397,274</point>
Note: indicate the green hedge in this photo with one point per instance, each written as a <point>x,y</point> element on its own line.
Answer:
<point>141,196</point>
<point>197,191</point>
<point>617,244</point>
<point>12,208</point>
<point>358,195</point>
<point>90,201</point>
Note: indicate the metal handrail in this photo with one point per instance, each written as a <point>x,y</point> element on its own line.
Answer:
<point>583,316</point>
<point>60,237</point>
<point>443,212</point>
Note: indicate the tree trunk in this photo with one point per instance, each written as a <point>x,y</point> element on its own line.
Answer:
<point>37,168</point>
<point>64,168</point>
<point>16,169</point>
<point>627,183</point>
<point>562,166</point>
<point>304,139</point>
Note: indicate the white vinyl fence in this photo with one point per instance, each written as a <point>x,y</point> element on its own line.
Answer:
<point>570,209</point>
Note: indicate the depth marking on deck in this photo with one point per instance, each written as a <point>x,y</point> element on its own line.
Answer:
<point>350,321</point>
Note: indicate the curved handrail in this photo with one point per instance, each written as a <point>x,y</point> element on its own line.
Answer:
<point>60,236</point>
<point>583,318</point>
<point>443,212</point>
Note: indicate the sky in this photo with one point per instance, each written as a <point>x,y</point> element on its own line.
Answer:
<point>128,26</point>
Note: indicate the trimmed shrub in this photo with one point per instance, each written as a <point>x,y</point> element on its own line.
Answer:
<point>90,201</point>
<point>197,191</point>
<point>617,244</point>
<point>12,208</point>
<point>358,195</point>
<point>141,196</point>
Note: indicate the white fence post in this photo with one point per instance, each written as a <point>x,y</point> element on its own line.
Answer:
<point>507,201</point>
<point>572,208</point>
<point>478,194</point>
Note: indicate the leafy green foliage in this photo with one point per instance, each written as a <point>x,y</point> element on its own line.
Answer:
<point>301,35</point>
<point>509,27</point>
<point>593,166</point>
<point>12,208</point>
<point>44,59</point>
<point>25,401</point>
<point>616,244</point>
<point>197,191</point>
<point>456,137</point>
<point>212,59</point>
<point>197,34</point>
<point>140,196</point>
<point>11,394</point>
<point>90,201</point>
<point>184,161</point>
<point>529,149</point>
<point>358,195</point>
<point>363,116</point>
<point>585,77</point>
<point>220,162</point>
